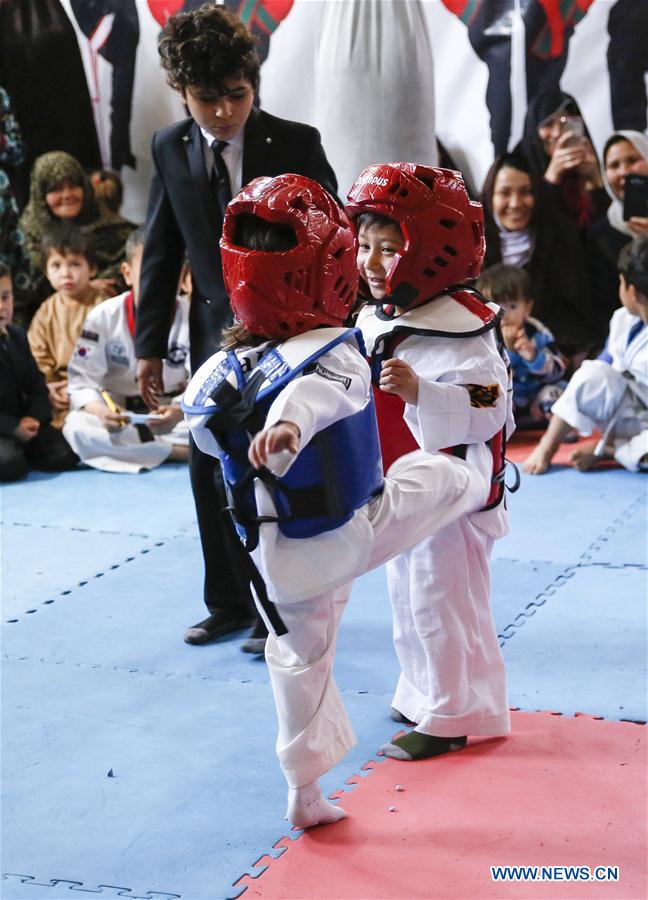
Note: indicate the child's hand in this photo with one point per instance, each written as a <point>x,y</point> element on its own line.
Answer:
<point>509,335</point>
<point>111,421</point>
<point>27,429</point>
<point>397,377</point>
<point>58,395</point>
<point>282,436</point>
<point>524,347</point>
<point>169,418</point>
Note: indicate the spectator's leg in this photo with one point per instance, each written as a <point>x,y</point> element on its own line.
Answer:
<point>13,465</point>
<point>50,451</point>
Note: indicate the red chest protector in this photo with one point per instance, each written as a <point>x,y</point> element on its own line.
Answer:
<point>396,439</point>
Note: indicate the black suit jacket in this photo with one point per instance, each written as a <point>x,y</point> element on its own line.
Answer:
<point>182,213</point>
<point>22,386</point>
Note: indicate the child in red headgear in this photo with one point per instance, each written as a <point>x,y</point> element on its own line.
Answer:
<point>441,384</point>
<point>288,408</point>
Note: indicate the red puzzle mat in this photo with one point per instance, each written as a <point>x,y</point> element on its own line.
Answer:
<point>560,792</point>
<point>523,442</point>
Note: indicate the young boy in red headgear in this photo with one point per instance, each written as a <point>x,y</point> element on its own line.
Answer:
<point>441,384</point>
<point>287,406</point>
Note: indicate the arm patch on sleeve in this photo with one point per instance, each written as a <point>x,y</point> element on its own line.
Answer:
<point>319,369</point>
<point>90,335</point>
<point>483,396</point>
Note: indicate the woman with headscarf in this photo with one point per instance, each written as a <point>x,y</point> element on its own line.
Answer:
<point>60,190</point>
<point>523,229</point>
<point>559,149</point>
<point>625,153</point>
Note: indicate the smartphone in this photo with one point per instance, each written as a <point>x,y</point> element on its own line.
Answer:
<point>574,126</point>
<point>635,196</point>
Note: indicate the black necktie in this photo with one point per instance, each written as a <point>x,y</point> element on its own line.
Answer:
<point>220,177</point>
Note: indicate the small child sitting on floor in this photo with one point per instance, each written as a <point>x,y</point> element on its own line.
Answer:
<point>103,370</point>
<point>70,264</point>
<point>27,439</point>
<point>536,364</point>
<point>609,393</point>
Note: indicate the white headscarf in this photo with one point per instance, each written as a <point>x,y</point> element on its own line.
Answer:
<point>639,141</point>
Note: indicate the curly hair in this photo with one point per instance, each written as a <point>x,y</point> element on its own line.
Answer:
<point>206,47</point>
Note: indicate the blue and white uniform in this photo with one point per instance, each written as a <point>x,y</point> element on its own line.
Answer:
<point>104,360</point>
<point>613,386</point>
<point>453,680</point>
<point>309,578</point>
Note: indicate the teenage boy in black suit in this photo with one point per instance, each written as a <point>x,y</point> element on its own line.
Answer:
<point>200,163</point>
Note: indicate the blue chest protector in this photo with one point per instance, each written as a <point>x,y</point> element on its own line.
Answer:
<point>332,476</point>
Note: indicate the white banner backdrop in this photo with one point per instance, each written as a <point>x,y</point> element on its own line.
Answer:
<point>406,66</point>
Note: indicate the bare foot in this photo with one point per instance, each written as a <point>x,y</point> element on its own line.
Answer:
<point>538,461</point>
<point>583,457</point>
<point>308,807</point>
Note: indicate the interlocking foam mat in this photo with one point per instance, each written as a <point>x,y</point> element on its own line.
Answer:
<point>559,792</point>
<point>137,766</point>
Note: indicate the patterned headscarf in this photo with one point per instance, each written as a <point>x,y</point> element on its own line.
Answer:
<point>49,171</point>
<point>108,231</point>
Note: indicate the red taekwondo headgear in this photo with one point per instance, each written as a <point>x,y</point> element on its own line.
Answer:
<point>280,294</point>
<point>442,227</point>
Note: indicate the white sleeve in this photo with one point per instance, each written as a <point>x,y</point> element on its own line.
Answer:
<point>466,403</point>
<point>87,368</point>
<point>336,386</point>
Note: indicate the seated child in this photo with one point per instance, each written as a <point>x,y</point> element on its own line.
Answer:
<point>27,439</point>
<point>70,265</point>
<point>441,384</point>
<point>609,393</point>
<point>536,364</point>
<point>103,370</point>
<point>287,406</point>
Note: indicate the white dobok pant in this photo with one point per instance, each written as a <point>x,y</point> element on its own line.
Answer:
<point>453,680</point>
<point>596,394</point>
<point>119,451</point>
<point>423,494</point>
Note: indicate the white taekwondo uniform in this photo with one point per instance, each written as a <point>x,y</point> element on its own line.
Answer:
<point>104,360</point>
<point>600,391</point>
<point>309,578</point>
<point>452,681</point>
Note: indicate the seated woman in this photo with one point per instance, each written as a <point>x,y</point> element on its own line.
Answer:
<point>522,229</point>
<point>61,191</point>
<point>625,153</point>
<point>559,149</point>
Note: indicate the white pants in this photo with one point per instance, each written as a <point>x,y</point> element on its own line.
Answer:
<point>595,394</point>
<point>453,680</point>
<point>423,494</point>
<point>118,451</point>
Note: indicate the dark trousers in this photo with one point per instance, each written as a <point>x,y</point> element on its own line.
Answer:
<point>227,586</point>
<point>48,451</point>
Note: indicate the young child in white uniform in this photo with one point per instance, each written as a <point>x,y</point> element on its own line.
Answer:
<point>104,363</point>
<point>287,406</point>
<point>609,393</point>
<point>441,383</point>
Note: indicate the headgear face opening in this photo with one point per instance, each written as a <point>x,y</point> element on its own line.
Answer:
<point>443,229</point>
<point>281,294</point>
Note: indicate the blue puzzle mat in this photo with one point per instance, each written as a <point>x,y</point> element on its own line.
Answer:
<point>99,679</point>
<point>157,503</point>
<point>144,781</point>
<point>584,648</point>
<point>558,516</point>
